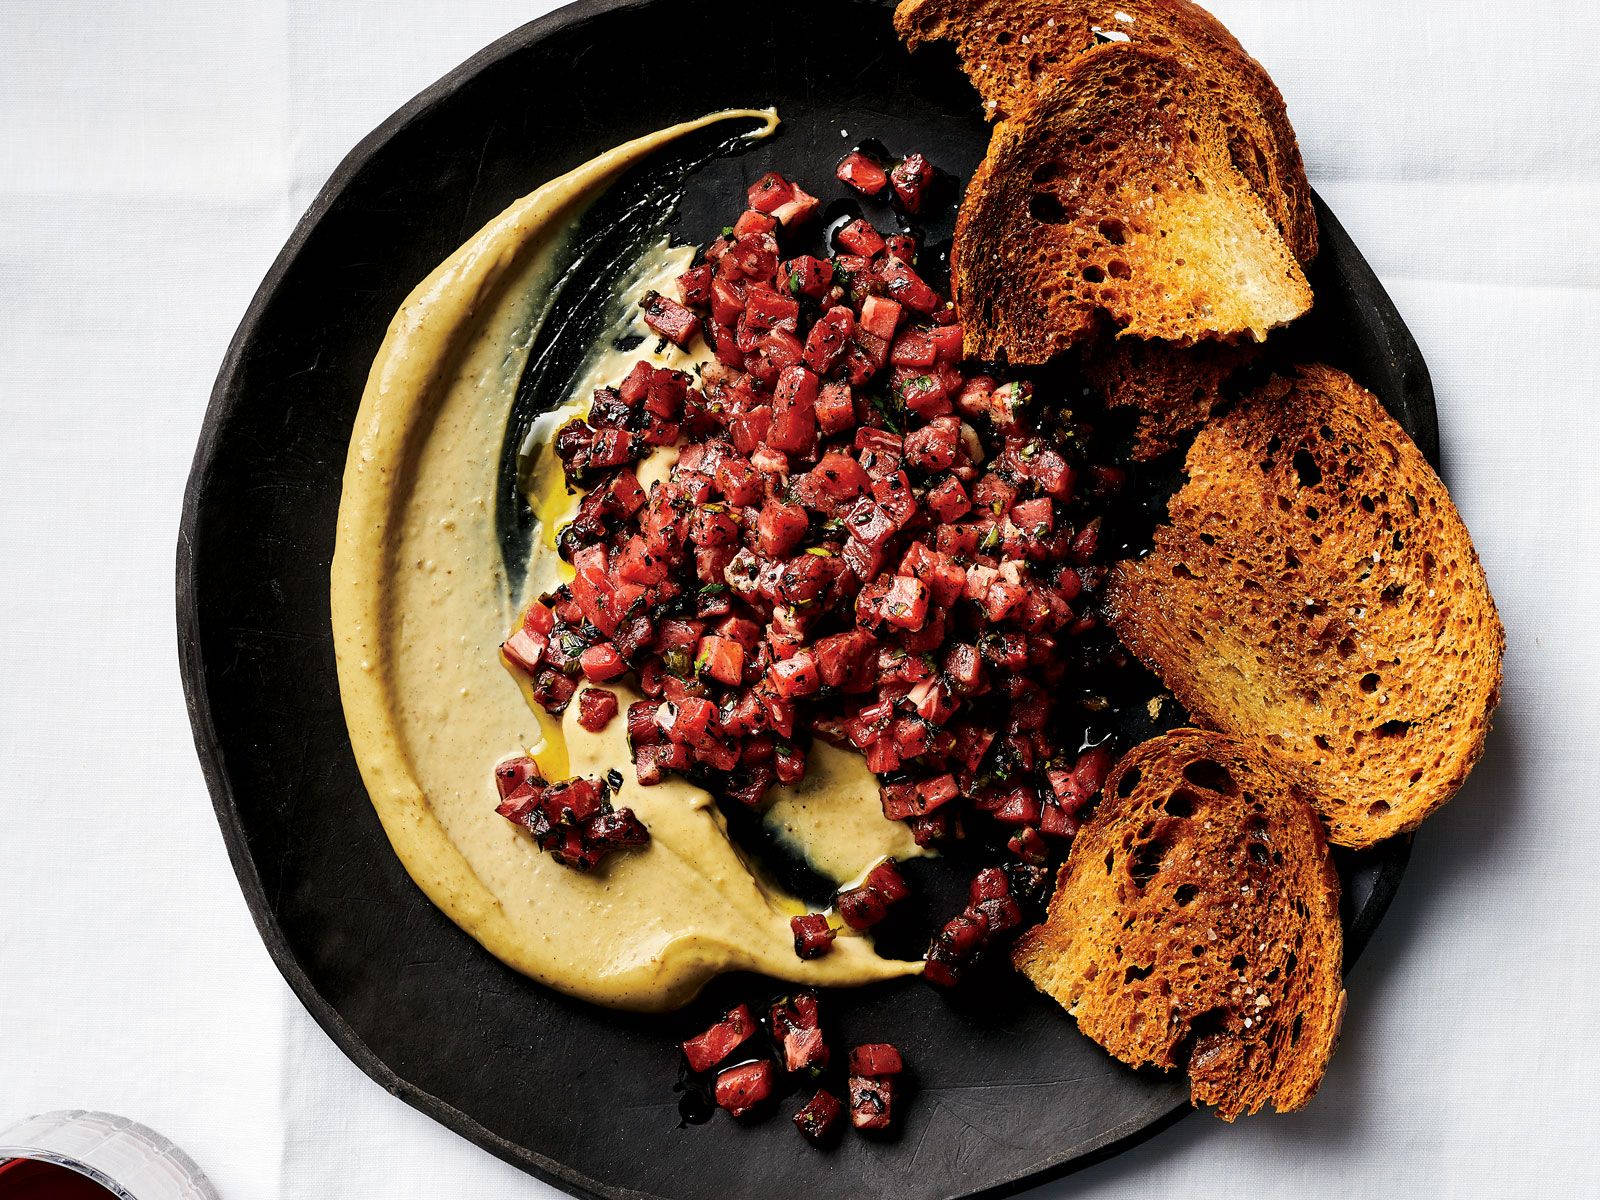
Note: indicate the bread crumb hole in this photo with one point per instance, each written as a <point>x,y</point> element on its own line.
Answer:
<point>1181,803</point>
<point>1211,775</point>
<point>1378,808</point>
<point>1146,862</point>
<point>1369,682</point>
<point>1306,469</point>
<point>1186,892</point>
<point>1093,274</point>
<point>1114,231</point>
<point>1045,208</point>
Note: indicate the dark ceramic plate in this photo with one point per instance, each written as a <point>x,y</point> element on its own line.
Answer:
<point>1008,1093</point>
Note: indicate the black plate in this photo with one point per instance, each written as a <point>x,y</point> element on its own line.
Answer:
<point>1009,1092</point>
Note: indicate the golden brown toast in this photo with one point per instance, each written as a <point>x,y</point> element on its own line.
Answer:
<point>1196,924</point>
<point>1112,198</point>
<point>1171,388</point>
<point>1317,592</point>
<point>1008,46</point>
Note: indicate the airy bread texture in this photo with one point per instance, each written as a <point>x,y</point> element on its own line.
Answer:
<point>1008,46</point>
<point>1196,924</point>
<point>1112,199</point>
<point>1172,389</point>
<point>1317,592</point>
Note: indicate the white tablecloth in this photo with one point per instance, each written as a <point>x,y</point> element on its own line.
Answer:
<point>153,158</point>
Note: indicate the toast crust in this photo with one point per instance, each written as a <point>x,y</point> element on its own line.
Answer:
<point>1196,924</point>
<point>1007,46</point>
<point>1317,591</point>
<point>1112,200</point>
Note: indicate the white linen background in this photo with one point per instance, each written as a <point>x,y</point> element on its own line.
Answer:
<point>154,157</point>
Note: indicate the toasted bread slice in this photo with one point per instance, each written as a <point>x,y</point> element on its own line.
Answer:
<point>1113,194</point>
<point>1196,923</point>
<point>1008,46</point>
<point>1171,388</point>
<point>1317,591</point>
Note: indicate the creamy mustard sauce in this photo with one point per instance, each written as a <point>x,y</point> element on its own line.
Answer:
<point>834,819</point>
<point>420,604</point>
<point>553,503</point>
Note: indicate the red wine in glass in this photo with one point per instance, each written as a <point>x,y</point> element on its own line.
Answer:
<point>30,1179</point>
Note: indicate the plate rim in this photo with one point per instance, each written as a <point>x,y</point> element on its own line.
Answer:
<point>222,401</point>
